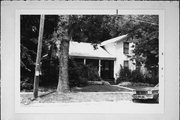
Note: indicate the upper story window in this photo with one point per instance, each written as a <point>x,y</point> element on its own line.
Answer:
<point>126,48</point>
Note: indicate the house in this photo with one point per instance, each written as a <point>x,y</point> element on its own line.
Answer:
<point>108,56</point>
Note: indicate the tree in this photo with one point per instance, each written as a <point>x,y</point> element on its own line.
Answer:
<point>64,37</point>
<point>29,35</point>
<point>57,33</point>
<point>143,30</point>
<point>147,46</point>
<point>78,28</point>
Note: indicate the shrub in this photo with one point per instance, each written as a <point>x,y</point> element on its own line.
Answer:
<point>80,74</point>
<point>126,75</point>
<point>25,84</point>
<point>137,76</point>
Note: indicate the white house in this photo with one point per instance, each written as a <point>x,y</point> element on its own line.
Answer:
<point>108,56</point>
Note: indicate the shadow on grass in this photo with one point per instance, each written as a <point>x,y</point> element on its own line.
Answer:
<point>46,94</point>
<point>43,95</point>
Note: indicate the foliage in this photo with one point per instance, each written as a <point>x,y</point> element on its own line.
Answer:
<point>143,29</point>
<point>89,28</point>
<point>80,74</point>
<point>135,76</point>
<point>29,35</point>
<point>124,75</point>
<point>85,28</point>
<point>26,84</point>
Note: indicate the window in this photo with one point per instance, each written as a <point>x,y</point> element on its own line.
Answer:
<point>126,48</point>
<point>126,64</point>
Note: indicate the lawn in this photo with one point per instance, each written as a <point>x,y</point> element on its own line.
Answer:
<point>92,93</point>
<point>136,85</point>
<point>99,88</point>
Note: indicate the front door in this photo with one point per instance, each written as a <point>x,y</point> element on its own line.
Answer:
<point>107,69</point>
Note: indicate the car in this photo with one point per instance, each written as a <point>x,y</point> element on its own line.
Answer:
<point>148,93</point>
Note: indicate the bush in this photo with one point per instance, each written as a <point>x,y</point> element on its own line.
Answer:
<point>126,75</point>
<point>80,74</point>
<point>137,76</point>
<point>26,84</point>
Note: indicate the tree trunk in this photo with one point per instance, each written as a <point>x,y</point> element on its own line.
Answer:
<point>63,54</point>
<point>63,82</point>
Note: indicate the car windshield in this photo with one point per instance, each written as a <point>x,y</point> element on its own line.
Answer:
<point>157,85</point>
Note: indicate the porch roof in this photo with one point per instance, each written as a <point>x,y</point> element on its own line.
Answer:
<point>82,49</point>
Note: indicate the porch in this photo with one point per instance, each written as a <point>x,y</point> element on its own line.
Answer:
<point>105,67</point>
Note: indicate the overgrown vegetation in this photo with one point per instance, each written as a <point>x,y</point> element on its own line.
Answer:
<point>127,75</point>
<point>26,84</point>
<point>79,75</point>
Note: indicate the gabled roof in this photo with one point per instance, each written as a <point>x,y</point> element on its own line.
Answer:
<point>82,49</point>
<point>113,40</point>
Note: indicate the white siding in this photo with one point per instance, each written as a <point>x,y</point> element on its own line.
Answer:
<point>116,49</point>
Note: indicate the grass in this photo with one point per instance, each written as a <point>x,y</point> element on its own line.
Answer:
<point>77,97</point>
<point>99,88</point>
<point>136,85</point>
<point>95,93</point>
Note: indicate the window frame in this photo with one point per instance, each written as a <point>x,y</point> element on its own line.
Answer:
<point>126,47</point>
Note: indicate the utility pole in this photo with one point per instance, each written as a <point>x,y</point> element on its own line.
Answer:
<point>38,57</point>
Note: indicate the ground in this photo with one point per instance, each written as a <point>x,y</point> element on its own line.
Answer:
<point>90,93</point>
<point>136,85</point>
<point>96,93</point>
<point>100,88</point>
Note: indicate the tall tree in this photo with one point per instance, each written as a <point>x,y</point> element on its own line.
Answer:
<point>79,28</point>
<point>143,31</point>
<point>64,37</point>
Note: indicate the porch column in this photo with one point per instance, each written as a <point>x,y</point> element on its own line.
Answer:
<point>99,71</point>
<point>84,61</point>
